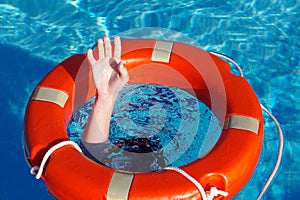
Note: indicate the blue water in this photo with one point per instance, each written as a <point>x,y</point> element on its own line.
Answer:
<point>166,126</point>
<point>262,36</point>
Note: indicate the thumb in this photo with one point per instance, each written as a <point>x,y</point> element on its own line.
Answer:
<point>122,69</point>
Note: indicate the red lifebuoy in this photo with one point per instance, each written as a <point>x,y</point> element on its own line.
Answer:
<point>70,175</point>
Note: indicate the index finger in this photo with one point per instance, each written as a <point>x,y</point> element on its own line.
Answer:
<point>118,49</point>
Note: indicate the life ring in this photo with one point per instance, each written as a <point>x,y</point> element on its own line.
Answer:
<point>70,175</point>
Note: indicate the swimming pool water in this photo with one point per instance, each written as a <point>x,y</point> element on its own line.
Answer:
<point>262,36</point>
<point>160,123</point>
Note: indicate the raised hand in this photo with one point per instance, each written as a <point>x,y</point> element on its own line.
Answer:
<point>110,76</point>
<point>109,73</point>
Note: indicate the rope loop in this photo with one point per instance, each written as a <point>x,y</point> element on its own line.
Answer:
<point>38,170</point>
<point>230,60</point>
<point>279,131</point>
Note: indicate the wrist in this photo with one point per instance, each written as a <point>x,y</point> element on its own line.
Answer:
<point>105,103</point>
<point>107,97</point>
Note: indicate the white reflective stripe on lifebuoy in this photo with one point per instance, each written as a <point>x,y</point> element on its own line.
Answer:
<point>50,95</point>
<point>119,186</point>
<point>242,123</point>
<point>162,51</point>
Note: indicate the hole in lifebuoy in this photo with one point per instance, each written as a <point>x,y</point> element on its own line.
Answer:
<point>151,125</point>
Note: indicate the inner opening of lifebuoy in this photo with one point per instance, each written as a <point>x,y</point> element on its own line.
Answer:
<point>161,118</point>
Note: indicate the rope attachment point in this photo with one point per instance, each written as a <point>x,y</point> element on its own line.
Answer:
<point>38,170</point>
<point>206,195</point>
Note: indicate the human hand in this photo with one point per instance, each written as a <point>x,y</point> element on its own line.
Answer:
<point>109,73</point>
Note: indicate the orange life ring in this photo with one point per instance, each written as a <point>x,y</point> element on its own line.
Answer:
<point>70,175</point>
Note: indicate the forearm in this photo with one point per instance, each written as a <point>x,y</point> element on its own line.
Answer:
<point>97,129</point>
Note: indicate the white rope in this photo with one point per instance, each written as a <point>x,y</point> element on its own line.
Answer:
<point>279,157</point>
<point>40,169</point>
<point>281,138</point>
<point>230,60</point>
<point>209,195</point>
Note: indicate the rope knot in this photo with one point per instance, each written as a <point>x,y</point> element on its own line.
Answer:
<point>214,192</point>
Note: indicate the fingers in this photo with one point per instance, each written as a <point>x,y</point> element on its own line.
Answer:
<point>90,57</point>
<point>107,47</point>
<point>100,48</point>
<point>117,51</point>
